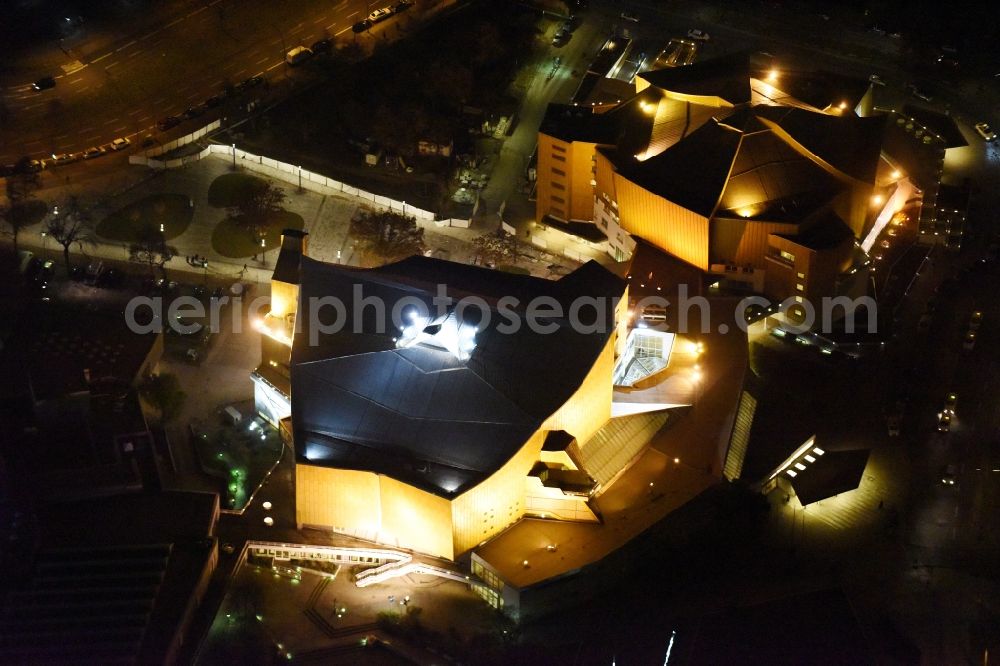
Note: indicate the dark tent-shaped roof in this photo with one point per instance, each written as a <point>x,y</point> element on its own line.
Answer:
<point>421,413</point>
<point>833,473</point>
<point>726,77</point>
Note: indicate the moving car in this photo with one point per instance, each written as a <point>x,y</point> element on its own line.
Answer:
<point>970,340</point>
<point>121,143</point>
<point>985,131</point>
<point>944,422</point>
<point>44,83</point>
<point>298,55</point>
<point>380,14</point>
<point>975,320</point>
<point>698,35</point>
<point>950,402</point>
<point>920,94</point>
<point>949,475</point>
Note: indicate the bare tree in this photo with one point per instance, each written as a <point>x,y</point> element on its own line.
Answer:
<point>72,225</point>
<point>18,213</point>
<point>255,211</point>
<point>151,248</point>
<point>497,246</point>
<point>387,235</point>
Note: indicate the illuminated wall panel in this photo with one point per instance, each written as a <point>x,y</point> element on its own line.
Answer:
<point>590,406</point>
<point>677,230</point>
<point>343,499</point>
<point>487,509</point>
<point>416,519</point>
<point>742,242</point>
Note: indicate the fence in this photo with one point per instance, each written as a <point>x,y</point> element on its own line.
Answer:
<point>315,182</point>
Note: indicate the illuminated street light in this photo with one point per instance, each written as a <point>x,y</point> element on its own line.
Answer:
<point>772,76</point>
<point>269,521</point>
<point>895,174</point>
<point>878,199</point>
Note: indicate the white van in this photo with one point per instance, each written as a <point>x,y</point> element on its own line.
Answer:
<point>298,55</point>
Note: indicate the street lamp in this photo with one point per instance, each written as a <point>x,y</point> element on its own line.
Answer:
<point>234,157</point>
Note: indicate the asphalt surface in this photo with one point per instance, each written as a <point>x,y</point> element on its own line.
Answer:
<point>121,86</point>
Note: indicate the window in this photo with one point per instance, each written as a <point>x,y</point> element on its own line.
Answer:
<point>561,158</point>
<point>801,276</point>
<point>799,299</point>
<point>787,256</point>
<point>558,199</point>
<point>558,186</point>
<point>799,287</point>
<point>556,146</point>
<point>558,172</point>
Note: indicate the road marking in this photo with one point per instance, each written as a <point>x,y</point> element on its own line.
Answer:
<point>197,11</point>
<point>97,60</point>
<point>160,101</point>
<point>261,61</point>
<point>76,80</point>
<point>341,32</point>
<point>277,64</point>
<point>133,54</point>
<point>194,96</point>
<point>61,136</point>
<point>319,20</point>
<point>122,48</point>
<point>239,73</point>
<point>111,65</point>
<point>330,27</point>
<point>91,138</point>
<point>172,24</point>
<point>354,14</point>
<point>89,129</point>
<point>118,129</point>
<point>218,83</point>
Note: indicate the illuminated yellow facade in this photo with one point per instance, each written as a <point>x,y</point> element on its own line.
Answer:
<point>377,507</point>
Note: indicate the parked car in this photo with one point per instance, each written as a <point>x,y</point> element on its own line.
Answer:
<point>323,46</point>
<point>65,158</point>
<point>167,123</point>
<point>698,35</point>
<point>92,152</point>
<point>985,131</point>
<point>298,55</point>
<point>44,83</point>
<point>380,14</point>
<point>629,16</point>
<point>403,5</point>
<point>121,143</point>
<point>214,101</point>
<point>193,111</point>
<point>361,26</point>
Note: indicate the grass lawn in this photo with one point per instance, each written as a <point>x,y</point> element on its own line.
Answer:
<point>231,240</point>
<point>231,188</point>
<point>173,211</point>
